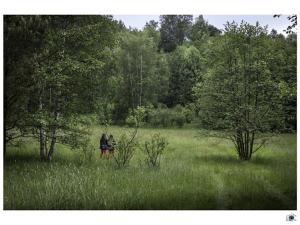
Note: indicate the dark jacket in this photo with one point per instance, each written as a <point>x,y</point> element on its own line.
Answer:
<point>103,142</point>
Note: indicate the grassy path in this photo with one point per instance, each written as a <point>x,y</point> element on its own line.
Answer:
<point>220,191</point>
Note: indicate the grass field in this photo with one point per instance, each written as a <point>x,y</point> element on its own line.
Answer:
<point>195,173</point>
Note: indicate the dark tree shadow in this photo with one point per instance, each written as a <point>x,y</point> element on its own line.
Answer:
<point>234,160</point>
<point>18,158</point>
<point>212,159</point>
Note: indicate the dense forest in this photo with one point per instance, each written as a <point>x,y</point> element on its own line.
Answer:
<point>175,71</point>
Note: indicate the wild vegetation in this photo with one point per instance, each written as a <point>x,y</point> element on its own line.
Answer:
<point>182,98</point>
<point>196,172</point>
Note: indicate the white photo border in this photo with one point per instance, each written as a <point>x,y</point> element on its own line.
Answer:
<point>139,7</point>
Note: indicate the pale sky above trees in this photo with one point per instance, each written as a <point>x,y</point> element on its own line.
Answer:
<point>279,24</point>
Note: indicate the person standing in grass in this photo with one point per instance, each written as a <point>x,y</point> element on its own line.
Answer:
<point>104,145</point>
<point>111,144</point>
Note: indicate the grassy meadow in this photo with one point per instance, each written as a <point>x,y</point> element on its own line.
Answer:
<point>196,172</point>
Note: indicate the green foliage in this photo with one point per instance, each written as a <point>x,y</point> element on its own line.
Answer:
<point>282,63</point>
<point>136,117</point>
<point>57,68</point>
<point>24,38</point>
<point>131,120</point>
<point>105,113</point>
<point>174,29</point>
<point>65,59</point>
<point>190,112</point>
<point>125,148</point>
<point>166,117</point>
<point>154,149</point>
<point>238,94</point>
<point>186,68</point>
<point>201,31</point>
<point>151,30</point>
<point>144,72</point>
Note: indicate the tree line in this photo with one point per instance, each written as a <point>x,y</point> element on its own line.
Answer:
<point>241,80</point>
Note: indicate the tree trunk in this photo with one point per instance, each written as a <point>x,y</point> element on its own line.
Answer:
<point>244,144</point>
<point>53,136</point>
<point>55,114</point>
<point>251,143</point>
<point>141,80</point>
<point>131,82</point>
<point>42,144</point>
<point>54,97</point>
<point>42,136</point>
<point>52,145</point>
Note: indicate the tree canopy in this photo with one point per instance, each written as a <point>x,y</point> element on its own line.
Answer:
<point>60,69</point>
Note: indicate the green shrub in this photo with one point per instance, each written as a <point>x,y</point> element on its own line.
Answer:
<point>160,116</point>
<point>154,149</point>
<point>125,148</point>
<point>165,117</point>
<point>136,117</point>
<point>131,121</point>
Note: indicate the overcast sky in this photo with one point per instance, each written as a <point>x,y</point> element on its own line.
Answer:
<point>279,24</point>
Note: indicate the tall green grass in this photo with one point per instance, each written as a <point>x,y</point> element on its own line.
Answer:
<point>196,172</point>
